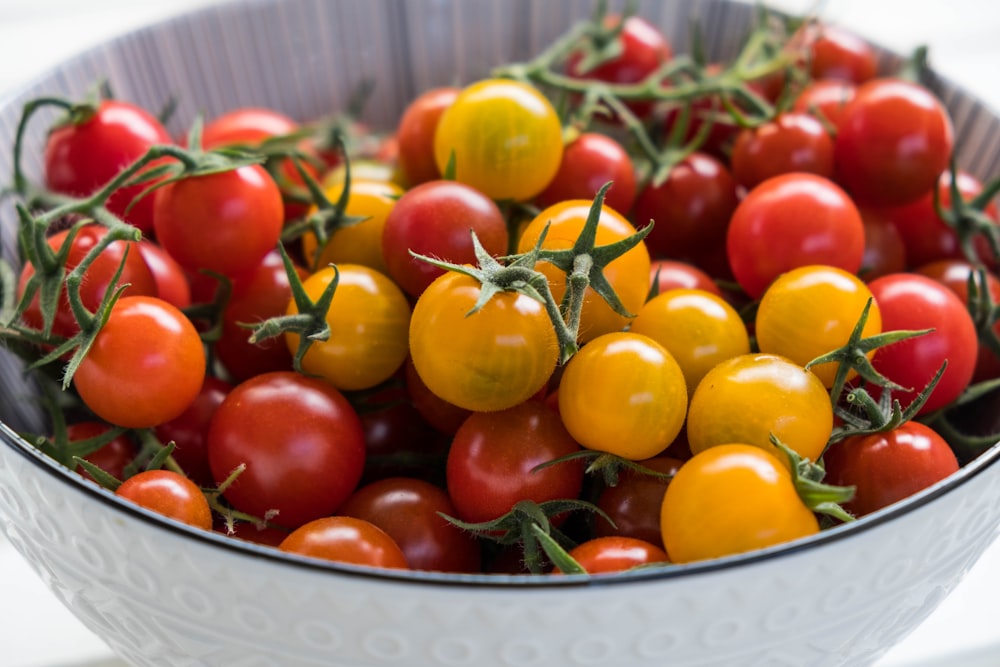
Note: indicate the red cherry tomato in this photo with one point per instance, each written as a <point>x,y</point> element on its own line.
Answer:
<point>113,457</point>
<point>189,430</point>
<point>415,134</point>
<point>603,555</point>
<point>588,162</point>
<point>346,540</point>
<point>668,274</point>
<point>170,494</point>
<point>825,98</point>
<point>791,142</point>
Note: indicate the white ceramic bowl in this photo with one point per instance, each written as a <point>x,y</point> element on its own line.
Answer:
<point>161,593</point>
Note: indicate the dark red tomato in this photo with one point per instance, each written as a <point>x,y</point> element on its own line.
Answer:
<point>690,209</point>
<point>409,510</point>
<point>789,143</point>
<point>415,134</point>
<point>825,98</point>
<point>493,455</point>
<point>588,162</point>
<point>82,157</point>
<point>248,531</point>
<point>263,293</point>
<point>439,413</point>
<point>345,539</point>
<point>223,222</point>
<point>171,282</point>
<point>189,431</point>
<point>604,555</point>
<point>170,494</point>
<point>894,140</point>
<point>668,274</point>
<point>634,503</point>
<point>97,279</point>
<point>926,236</point>
<point>884,249</point>
<point>643,50</point>
<point>887,467</point>
<point>300,440</point>
<point>435,219</point>
<point>113,457</point>
<point>836,53</point>
<point>915,302</point>
<point>790,221</point>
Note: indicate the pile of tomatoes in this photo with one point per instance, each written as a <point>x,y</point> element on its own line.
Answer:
<point>455,347</point>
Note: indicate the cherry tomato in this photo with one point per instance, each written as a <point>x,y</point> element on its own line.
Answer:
<point>439,413</point>
<point>345,539</point>
<point>223,222</point>
<point>189,430</point>
<point>792,142</point>
<point>894,140</point>
<point>667,274</point>
<point>300,440</point>
<point>884,249</point>
<point>839,54</point>
<point>825,98</point>
<point>369,319</point>
<point>633,504</point>
<point>812,310</point>
<point>493,459</point>
<point>113,457</point>
<point>171,282</point>
<point>603,555</point>
<point>436,219</point>
<point>590,161</point>
<point>145,366</point>
<point>505,137</point>
<point>494,358</point>
<point>747,398</point>
<point>887,467</point>
<point>915,302</point>
<point>790,221</point>
<point>409,510</point>
<point>170,494</point>
<point>625,394</point>
<point>415,134</point>
<point>731,499</point>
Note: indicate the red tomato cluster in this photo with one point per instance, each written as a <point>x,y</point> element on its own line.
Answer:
<point>353,398</point>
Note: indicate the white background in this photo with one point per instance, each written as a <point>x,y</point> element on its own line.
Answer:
<point>964,40</point>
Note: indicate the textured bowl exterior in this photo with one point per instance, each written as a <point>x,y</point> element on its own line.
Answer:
<point>163,594</point>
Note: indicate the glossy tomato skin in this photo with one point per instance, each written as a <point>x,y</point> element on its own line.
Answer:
<point>171,282</point>
<point>170,494</point>
<point>639,387</point>
<point>590,161</point>
<point>415,134</point>
<point>668,274</point>
<point>505,136</point>
<point>494,358</point>
<point>493,456</point>
<point>604,555</point>
<point>841,55</point>
<point>730,499</point>
<point>189,430</point>
<point>409,510</point>
<point>894,140</point>
<point>223,222</point>
<point>792,142</point>
<point>633,504</point>
<point>789,221</point>
<point>887,467</point>
<point>345,539</point>
<point>826,99</point>
<point>82,157</point>
<point>914,302</point>
<point>301,441</point>
<point>145,366</point>
<point>436,219</point>
<point>885,252</point>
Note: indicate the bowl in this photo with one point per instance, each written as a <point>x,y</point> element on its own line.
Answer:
<point>162,593</point>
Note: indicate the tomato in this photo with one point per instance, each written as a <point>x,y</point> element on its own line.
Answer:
<point>346,540</point>
<point>912,301</point>
<point>790,221</point>
<point>633,504</point>
<point>171,282</point>
<point>223,222</point>
<point>792,142</point>
<point>300,440</point>
<point>145,366</point>
<point>603,555</point>
<point>666,274</point>
<point>894,140</point>
<point>82,157</point>
<point>505,137</point>
<point>409,510</point>
<point>439,413</point>
<point>690,209</point>
<point>369,319</point>
<point>825,98</point>
<point>113,457</point>
<point>360,243</point>
<point>625,394</point>
<point>747,398</point>
<point>493,456</point>
<point>436,219</point>
<point>490,359</point>
<point>731,499</point>
<point>699,329</point>
<point>170,494</point>
<point>590,161</point>
<point>189,430</point>
<point>628,274</point>
<point>812,310</point>
<point>884,249</point>
<point>887,467</point>
<point>839,54</point>
<point>415,134</point>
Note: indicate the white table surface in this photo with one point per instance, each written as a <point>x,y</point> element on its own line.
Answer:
<point>964,40</point>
